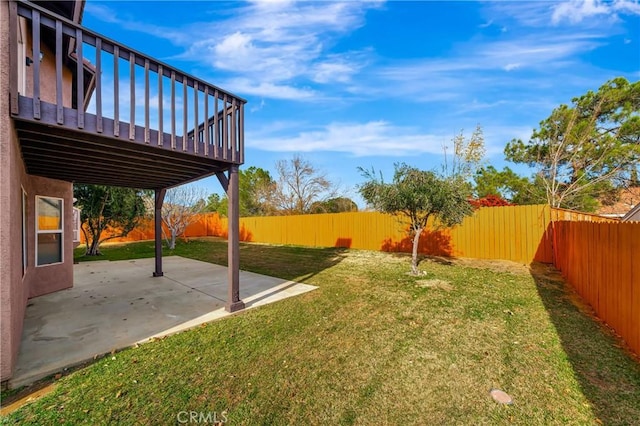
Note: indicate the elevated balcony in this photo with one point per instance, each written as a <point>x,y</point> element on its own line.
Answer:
<point>88,109</point>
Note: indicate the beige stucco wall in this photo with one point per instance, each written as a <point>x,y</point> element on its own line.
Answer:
<point>14,287</point>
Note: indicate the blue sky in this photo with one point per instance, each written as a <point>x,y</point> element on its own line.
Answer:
<point>350,84</point>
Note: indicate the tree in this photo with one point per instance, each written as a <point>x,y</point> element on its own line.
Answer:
<point>216,204</point>
<point>299,185</point>
<point>508,185</point>
<point>467,154</point>
<point>586,149</point>
<point>418,195</point>
<point>181,208</point>
<point>489,201</point>
<point>102,207</point>
<point>255,190</point>
<point>334,205</point>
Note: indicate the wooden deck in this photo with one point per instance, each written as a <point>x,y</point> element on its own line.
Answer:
<point>101,112</point>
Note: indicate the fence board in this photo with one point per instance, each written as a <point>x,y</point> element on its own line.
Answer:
<point>601,261</point>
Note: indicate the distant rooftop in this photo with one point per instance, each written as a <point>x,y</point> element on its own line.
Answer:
<point>629,198</point>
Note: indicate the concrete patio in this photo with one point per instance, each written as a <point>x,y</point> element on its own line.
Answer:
<point>114,305</point>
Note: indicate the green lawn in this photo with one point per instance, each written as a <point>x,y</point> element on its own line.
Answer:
<point>372,345</point>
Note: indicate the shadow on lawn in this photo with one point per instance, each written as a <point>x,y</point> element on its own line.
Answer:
<point>288,262</point>
<point>609,375</point>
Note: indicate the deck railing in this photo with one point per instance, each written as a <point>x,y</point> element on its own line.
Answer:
<point>104,87</point>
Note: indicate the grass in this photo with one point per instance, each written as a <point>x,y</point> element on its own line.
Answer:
<point>372,345</point>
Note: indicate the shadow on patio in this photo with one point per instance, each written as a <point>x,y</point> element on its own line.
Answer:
<point>114,305</point>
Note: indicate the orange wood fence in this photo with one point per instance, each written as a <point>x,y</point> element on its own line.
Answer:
<point>602,262</point>
<point>518,233</point>
<point>513,233</point>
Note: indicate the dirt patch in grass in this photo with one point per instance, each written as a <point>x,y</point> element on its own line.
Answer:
<point>435,283</point>
<point>507,266</point>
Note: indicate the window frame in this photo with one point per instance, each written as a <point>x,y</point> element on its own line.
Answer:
<point>49,231</point>
<point>25,220</point>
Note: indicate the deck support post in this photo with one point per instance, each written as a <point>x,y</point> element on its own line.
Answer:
<point>157,222</point>
<point>233,243</point>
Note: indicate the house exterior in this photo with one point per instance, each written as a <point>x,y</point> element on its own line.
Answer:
<point>632,215</point>
<point>628,200</point>
<point>63,120</point>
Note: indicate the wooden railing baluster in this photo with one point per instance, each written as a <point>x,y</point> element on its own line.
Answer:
<point>146,101</point>
<point>173,109</point>
<point>132,96</point>
<point>99,85</point>
<point>206,118</point>
<point>116,91</point>
<point>59,98</point>
<point>160,113</point>
<point>185,114</point>
<point>79,79</point>
<point>35,61</point>
<point>196,135</point>
<point>216,133</point>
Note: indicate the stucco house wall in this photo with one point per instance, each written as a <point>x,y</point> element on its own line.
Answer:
<point>16,287</point>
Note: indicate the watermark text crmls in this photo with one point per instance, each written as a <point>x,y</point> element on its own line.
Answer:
<point>202,417</point>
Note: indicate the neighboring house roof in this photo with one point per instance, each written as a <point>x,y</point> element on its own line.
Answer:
<point>633,214</point>
<point>629,199</point>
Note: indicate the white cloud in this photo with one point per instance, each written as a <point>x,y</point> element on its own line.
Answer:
<point>373,138</point>
<point>282,43</point>
<point>577,10</point>
<point>269,90</point>
<point>379,138</point>
<point>512,66</point>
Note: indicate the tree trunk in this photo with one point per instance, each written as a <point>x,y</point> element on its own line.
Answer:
<point>93,249</point>
<point>172,243</point>
<point>414,252</point>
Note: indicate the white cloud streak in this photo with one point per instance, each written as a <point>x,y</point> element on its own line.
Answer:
<point>373,138</point>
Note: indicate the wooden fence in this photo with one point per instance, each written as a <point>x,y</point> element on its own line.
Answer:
<point>601,261</point>
<point>518,233</point>
<point>513,233</point>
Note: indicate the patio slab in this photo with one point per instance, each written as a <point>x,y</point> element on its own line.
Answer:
<point>114,305</point>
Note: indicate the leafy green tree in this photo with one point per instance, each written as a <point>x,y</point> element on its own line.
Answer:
<point>255,188</point>
<point>508,185</point>
<point>583,150</point>
<point>217,204</point>
<point>418,196</point>
<point>102,207</point>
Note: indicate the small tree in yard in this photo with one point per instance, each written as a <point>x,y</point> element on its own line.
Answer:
<point>418,195</point>
<point>102,207</point>
<point>181,208</point>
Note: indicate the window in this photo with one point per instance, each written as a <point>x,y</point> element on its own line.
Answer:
<point>24,232</point>
<point>49,225</point>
